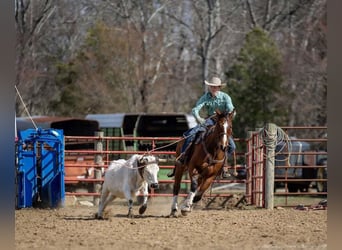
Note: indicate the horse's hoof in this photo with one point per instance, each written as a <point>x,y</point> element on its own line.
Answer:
<point>142,209</point>
<point>185,213</point>
<point>186,209</point>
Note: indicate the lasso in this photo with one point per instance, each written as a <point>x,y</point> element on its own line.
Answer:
<point>272,136</point>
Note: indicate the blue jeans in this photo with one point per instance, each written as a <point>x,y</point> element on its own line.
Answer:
<point>190,135</point>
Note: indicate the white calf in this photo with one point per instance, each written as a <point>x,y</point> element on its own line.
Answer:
<point>125,178</point>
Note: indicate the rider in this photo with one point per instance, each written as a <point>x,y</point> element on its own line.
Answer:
<point>210,101</point>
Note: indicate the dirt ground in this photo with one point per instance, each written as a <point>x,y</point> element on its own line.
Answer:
<point>213,226</point>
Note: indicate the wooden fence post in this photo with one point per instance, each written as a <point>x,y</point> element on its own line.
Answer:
<point>270,141</point>
<point>249,164</point>
<point>99,165</point>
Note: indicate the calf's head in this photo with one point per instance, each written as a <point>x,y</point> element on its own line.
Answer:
<point>149,170</point>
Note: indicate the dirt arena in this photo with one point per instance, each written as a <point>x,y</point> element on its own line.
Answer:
<point>207,227</point>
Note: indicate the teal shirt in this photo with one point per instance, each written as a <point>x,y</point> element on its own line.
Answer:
<point>207,102</point>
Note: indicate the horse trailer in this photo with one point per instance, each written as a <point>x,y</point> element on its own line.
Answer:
<point>142,125</point>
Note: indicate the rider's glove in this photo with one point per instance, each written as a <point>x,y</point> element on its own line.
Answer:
<point>201,120</point>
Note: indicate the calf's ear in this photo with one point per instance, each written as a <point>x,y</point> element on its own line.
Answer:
<point>142,161</point>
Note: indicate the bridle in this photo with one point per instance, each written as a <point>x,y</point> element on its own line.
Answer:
<point>143,162</point>
<point>226,126</point>
<point>224,133</point>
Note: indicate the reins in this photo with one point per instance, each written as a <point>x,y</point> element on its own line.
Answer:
<point>209,156</point>
<point>211,160</point>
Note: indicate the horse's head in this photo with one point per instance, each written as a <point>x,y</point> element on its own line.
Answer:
<point>223,127</point>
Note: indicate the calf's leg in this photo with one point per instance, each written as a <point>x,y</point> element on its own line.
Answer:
<point>102,205</point>
<point>130,209</point>
<point>128,195</point>
<point>144,191</point>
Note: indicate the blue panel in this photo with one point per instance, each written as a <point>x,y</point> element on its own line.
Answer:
<point>26,178</point>
<point>40,169</point>
<point>57,191</point>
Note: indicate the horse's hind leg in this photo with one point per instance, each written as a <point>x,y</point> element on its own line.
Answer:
<point>203,187</point>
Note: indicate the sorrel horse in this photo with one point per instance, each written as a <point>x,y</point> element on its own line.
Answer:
<point>206,157</point>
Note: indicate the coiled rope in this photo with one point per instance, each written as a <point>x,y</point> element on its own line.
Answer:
<point>273,136</point>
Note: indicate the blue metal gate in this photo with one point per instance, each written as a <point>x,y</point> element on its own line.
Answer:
<point>40,168</point>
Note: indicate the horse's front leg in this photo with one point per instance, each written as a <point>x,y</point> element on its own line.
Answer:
<point>187,204</point>
<point>176,188</point>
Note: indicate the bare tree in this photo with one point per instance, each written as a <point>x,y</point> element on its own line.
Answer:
<point>30,20</point>
<point>299,28</point>
<point>159,52</point>
<point>47,32</point>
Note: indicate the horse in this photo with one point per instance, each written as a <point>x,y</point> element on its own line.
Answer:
<point>206,158</point>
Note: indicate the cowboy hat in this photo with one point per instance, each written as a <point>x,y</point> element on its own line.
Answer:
<point>215,81</point>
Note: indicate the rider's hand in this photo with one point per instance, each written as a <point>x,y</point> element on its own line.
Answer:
<point>201,120</point>
<point>234,113</point>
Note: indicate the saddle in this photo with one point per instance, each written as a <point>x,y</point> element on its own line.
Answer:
<point>200,135</point>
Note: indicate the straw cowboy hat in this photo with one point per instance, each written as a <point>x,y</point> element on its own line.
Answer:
<point>215,81</point>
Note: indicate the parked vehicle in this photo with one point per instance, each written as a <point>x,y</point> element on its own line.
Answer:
<point>143,125</point>
<point>295,169</point>
<point>162,125</point>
